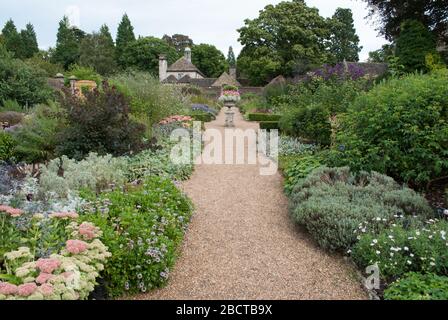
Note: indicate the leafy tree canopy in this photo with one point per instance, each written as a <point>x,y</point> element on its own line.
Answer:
<point>179,41</point>
<point>98,52</point>
<point>344,42</point>
<point>67,44</point>
<point>281,38</point>
<point>209,60</point>
<point>433,14</point>
<point>413,45</point>
<point>143,54</point>
<point>125,36</point>
<point>381,55</point>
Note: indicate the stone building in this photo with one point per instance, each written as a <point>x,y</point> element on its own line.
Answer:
<point>184,72</point>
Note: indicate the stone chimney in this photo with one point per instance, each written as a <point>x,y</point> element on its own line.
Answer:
<point>163,67</point>
<point>188,54</point>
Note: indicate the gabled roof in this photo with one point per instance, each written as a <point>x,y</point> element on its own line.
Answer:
<point>170,79</point>
<point>183,65</point>
<point>224,79</point>
<point>185,79</point>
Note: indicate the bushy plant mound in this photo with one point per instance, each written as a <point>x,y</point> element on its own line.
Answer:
<point>48,257</point>
<point>399,128</point>
<point>142,228</point>
<point>157,163</point>
<point>415,286</point>
<point>310,108</point>
<point>99,122</point>
<point>21,82</point>
<point>405,248</point>
<point>332,202</point>
<point>299,168</point>
<point>96,173</point>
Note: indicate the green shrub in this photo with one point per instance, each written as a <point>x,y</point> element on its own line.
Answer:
<point>142,229</point>
<point>309,107</point>
<point>263,117</point>
<point>7,146</point>
<point>332,203</point>
<point>100,122</point>
<point>95,173</point>
<point>11,105</point>
<point>157,163</point>
<point>37,139</point>
<point>399,128</point>
<point>269,125</point>
<point>21,82</point>
<point>309,123</point>
<point>299,169</point>
<point>404,248</point>
<point>150,101</point>
<point>415,286</point>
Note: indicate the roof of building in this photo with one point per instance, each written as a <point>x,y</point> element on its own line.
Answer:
<point>226,79</point>
<point>170,79</point>
<point>183,65</point>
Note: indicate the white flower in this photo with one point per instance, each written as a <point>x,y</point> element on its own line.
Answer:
<point>378,252</point>
<point>406,249</point>
<point>445,212</point>
<point>432,264</point>
<point>409,262</point>
<point>417,233</point>
<point>412,255</point>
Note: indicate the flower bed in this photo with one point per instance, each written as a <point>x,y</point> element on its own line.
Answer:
<point>51,257</point>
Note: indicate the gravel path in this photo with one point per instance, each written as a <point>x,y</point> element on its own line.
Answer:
<point>241,243</point>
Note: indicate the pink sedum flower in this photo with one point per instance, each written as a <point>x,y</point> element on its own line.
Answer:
<point>43,278</point>
<point>48,265</point>
<point>27,289</point>
<point>88,231</point>
<point>11,211</point>
<point>7,288</point>
<point>46,289</point>
<point>64,215</point>
<point>76,246</point>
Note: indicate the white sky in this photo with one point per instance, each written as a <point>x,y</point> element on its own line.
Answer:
<point>205,21</point>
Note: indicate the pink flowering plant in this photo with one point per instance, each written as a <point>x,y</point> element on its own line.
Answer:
<point>71,267</point>
<point>230,96</point>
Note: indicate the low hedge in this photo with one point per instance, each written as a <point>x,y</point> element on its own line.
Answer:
<point>203,117</point>
<point>269,125</point>
<point>263,117</point>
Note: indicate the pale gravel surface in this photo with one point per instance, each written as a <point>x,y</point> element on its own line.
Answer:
<point>242,244</point>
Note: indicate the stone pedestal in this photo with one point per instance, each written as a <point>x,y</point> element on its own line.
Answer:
<point>230,118</point>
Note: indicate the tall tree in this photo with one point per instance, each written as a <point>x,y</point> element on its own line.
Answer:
<point>29,42</point>
<point>11,39</point>
<point>344,42</point>
<point>281,39</point>
<point>143,54</point>
<point>231,60</point>
<point>67,44</point>
<point>209,60</point>
<point>414,43</point>
<point>433,14</point>
<point>179,41</point>
<point>125,37</point>
<point>98,52</point>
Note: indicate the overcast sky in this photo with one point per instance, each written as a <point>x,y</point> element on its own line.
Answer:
<point>205,21</point>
